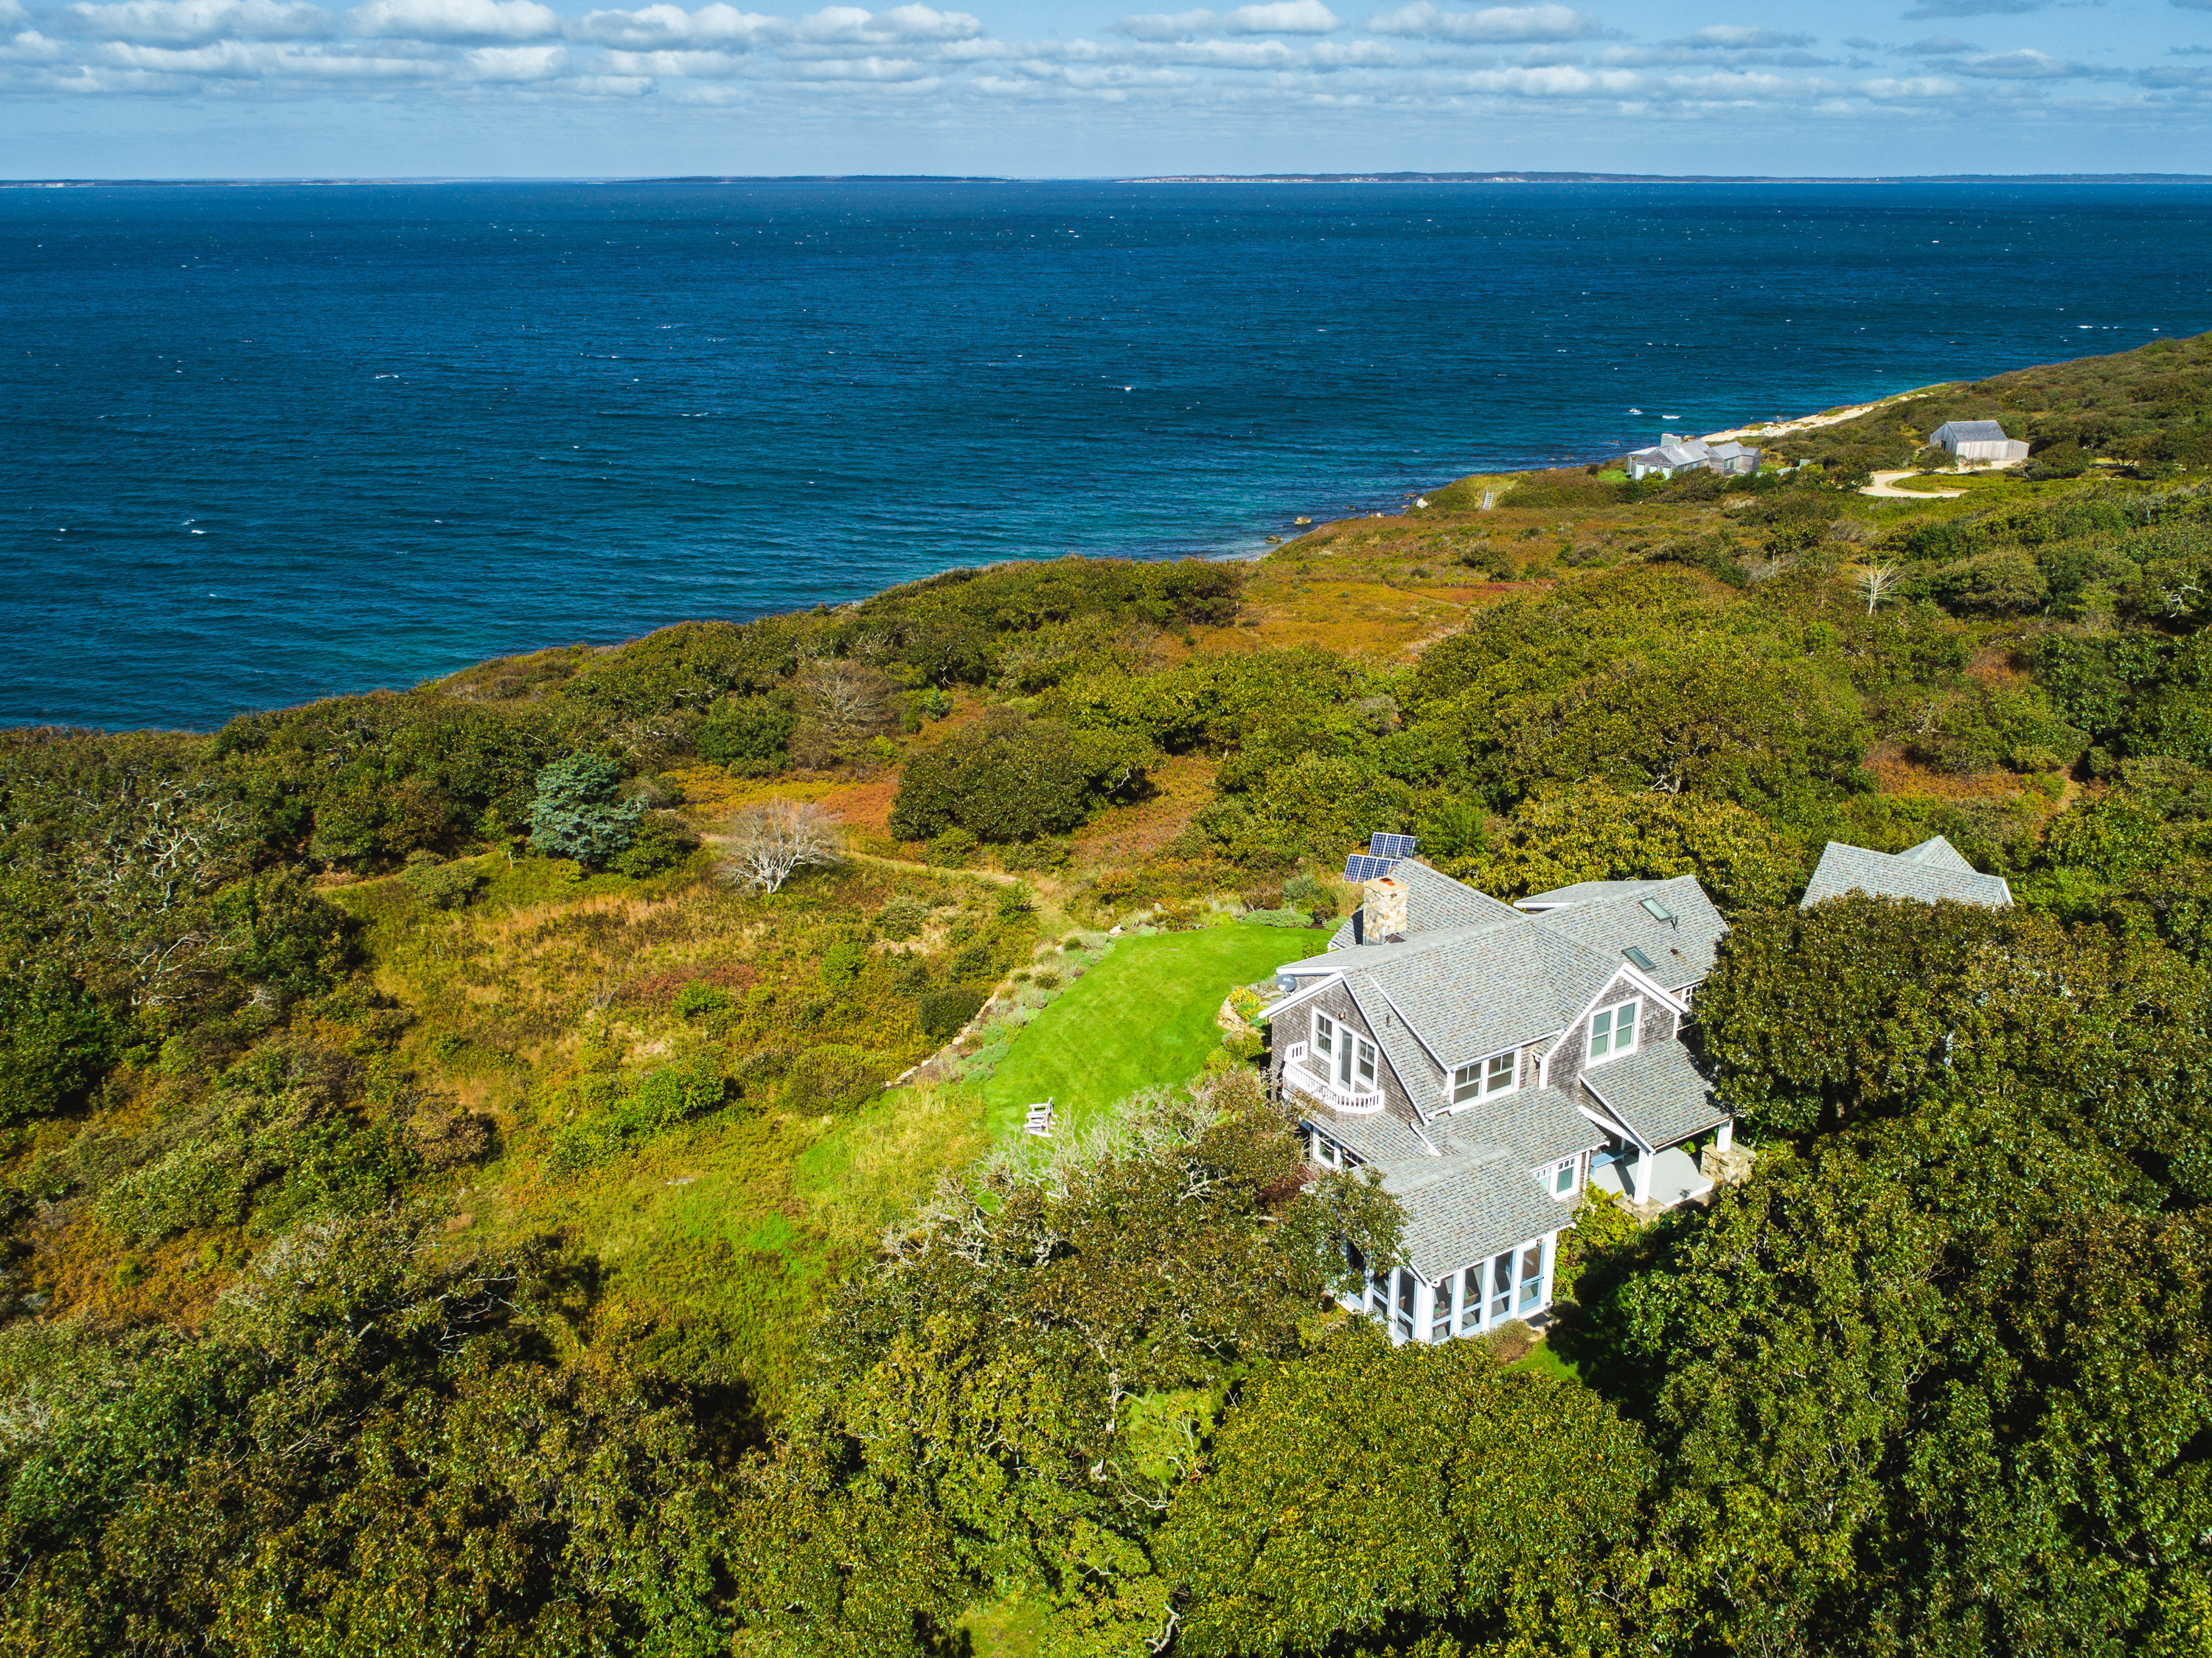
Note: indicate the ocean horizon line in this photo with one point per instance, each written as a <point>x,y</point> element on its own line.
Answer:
<point>1497,176</point>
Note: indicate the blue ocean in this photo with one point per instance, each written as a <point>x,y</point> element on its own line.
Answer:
<point>263,444</point>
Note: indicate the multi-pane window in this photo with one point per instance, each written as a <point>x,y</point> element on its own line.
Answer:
<point>1494,1075</point>
<point>1613,1031</point>
<point>1324,1152</point>
<point>1324,1034</point>
<point>1532,1276</point>
<point>1367,1064</point>
<point>1440,1318</point>
<point>1563,1177</point>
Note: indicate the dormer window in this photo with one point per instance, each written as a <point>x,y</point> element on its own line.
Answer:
<point>1563,1177</point>
<point>1613,1031</point>
<point>1496,1075</point>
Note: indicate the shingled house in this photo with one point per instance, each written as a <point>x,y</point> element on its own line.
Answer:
<point>1930,872</point>
<point>1673,454</point>
<point>1981,441</point>
<point>1490,1060</point>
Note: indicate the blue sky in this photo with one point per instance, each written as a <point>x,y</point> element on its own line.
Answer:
<point>1066,89</point>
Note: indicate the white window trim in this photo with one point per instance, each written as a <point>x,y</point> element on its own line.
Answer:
<point>1651,993</point>
<point>1570,1167</point>
<point>1481,1068</point>
<point>1613,1049</point>
<point>1324,1031</point>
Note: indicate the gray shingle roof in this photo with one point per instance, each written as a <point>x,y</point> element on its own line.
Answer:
<point>1469,991</point>
<point>1476,976</point>
<point>1474,1213</point>
<point>1582,892</point>
<point>1659,1094</point>
<point>1476,1191</point>
<point>1434,901</point>
<point>1929,872</point>
<point>1968,431</point>
<point>1682,951</point>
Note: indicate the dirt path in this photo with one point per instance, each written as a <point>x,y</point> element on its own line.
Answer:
<point>992,875</point>
<point>1882,484</point>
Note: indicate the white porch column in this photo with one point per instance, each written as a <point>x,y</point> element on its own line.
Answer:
<point>1551,1257</point>
<point>1646,1162</point>
<point>1425,1306</point>
<point>1726,1137</point>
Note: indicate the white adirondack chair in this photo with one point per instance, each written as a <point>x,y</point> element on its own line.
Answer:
<point>1039,1120</point>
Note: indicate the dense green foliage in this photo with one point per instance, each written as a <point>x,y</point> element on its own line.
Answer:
<point>2151,407</point>
<point>355,1061</point>
<point>579,814</point>
<point>368,1449</point>
<point>1007,778</point>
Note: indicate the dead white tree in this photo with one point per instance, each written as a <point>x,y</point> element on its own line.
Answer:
<point>1875,582</point>
<point>850,699</point>
<point>769,842</point>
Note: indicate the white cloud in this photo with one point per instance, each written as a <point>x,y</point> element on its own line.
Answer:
<point>515,62</point>
<point>1282,17</point>
<point>1276,54</point>
<point>454,20</point>
<point>1916,86</point>
<point>1734,37</point>
<point>191,22</point>
<point>1425,20</point>
<point>2024,65</point>
<point>1163,26</point>
<point>1226,54</point>
<point>850,25</point>
<point>658,28</point>
<point>1974,8</point>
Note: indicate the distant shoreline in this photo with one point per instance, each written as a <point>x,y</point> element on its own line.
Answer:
<point>1504,177</point>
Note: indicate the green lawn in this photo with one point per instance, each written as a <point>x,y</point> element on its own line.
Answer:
<point>1545,1361</point>
<point>1142,1018</point>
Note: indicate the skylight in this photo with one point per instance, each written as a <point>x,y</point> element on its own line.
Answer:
<point>1637,959</point>
<point>1658,912</point>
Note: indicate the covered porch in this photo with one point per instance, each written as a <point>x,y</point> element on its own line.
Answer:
<point>1512,1284</point>
<point>1661,1179</point>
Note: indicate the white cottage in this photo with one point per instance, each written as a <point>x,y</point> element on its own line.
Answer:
<point>1673,454</point>
<point>1490,1060</point>
<point>1983,440</point>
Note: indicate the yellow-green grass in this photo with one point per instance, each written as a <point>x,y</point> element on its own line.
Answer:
<point>1144,1017</point>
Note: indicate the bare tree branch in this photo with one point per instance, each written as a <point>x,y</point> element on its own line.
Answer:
<point>770,840</point>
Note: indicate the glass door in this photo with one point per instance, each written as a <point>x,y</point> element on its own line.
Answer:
<point>1532,1276</point>
<point>1501,1290</point>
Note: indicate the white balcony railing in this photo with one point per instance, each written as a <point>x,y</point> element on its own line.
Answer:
<point>1298,1074</point>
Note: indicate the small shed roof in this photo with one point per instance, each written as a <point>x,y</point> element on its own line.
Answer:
<point>1929,872</point>
<point>1968,431</point>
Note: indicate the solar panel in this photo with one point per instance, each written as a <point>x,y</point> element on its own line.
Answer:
<point>1393,847</point>
<point>1361,867</point>
<point>1638,958</point>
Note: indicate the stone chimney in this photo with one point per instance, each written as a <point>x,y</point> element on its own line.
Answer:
<point>1385,908</point>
